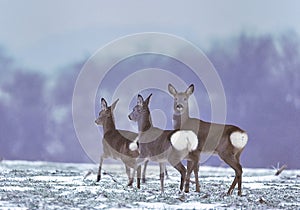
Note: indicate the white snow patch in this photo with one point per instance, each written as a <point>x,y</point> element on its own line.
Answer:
<point>59,179</point>
<point>7,206</point>
<point>190,205</point>
<point>255,185</point>
<point>19,179</point>
<point>15,188</point>
<point>266,178</point>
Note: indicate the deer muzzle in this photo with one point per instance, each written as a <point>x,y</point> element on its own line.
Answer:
<point>179,107</point>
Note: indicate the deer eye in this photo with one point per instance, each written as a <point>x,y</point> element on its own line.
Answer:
<point>185,99</point>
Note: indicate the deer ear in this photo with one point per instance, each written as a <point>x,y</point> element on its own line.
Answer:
<point>103,104</point>
<point>190,90</point>
<point>140,100</point>
<point>113,106</point>
<point>172,90</point>
<point>148,99</point>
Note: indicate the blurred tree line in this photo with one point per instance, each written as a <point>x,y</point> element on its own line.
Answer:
<point>260,74</point>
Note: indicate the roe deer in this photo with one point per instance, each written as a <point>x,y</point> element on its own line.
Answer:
<point>116,143</point>
<point>160,145</point>
<point>228,141</point>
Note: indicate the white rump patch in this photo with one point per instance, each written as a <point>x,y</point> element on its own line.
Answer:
<point>184,139</point>
<point>239,139</point>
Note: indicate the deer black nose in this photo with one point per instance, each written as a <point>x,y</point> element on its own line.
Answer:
<point>179,106</point>
<point>129,117</point>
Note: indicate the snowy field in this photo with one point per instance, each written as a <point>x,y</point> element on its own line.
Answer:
<point>44,185</point>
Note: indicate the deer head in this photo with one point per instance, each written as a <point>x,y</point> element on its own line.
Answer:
<point>141,113</point>
<point>181,105</point>
<point>106,113</point>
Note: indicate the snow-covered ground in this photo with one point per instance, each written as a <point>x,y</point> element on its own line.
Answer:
<point>44,185</point>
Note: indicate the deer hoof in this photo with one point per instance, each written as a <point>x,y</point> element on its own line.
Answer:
<point>130,183</point>
<point>230,192</point>
<point>186,189</point>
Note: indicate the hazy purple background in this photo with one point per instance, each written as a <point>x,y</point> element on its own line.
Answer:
<point>255,47</point>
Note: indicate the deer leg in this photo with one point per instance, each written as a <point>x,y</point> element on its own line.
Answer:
<point>229,192</point>
<point>190,168</point>
<point>128,172</point>
<point>130,178</point>
<point>139,177</point>
<point>100,167</point>
<point>162,168</point>
<point>166,173</point>
<point>192,165</point>
<point>140,161</point>
<point>240,178</point>
<point>237,179</point>
<point>196,170</point>
<point>233,162</point>
<point>144,171</point>
<point>138,168</point>
<point>240,186</point>
<point>180,167</point>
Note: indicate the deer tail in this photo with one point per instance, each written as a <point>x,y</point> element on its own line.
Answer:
<point>184,139</point>
<point>133,145</point>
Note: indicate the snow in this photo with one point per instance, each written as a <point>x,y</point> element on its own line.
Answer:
<point>191,205</point>
<point>14,188</point>
<point>45,185</point>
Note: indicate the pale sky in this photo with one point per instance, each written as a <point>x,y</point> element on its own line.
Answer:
<point>47,35</point>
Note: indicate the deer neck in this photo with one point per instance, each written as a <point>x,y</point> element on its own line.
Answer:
<point>145,123</point>
<point>109,126</point>
<point>180,119</point>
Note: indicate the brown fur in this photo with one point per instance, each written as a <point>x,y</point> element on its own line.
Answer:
<point>116,143</point>
<point>213,138</point>
<point>154,143</point>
